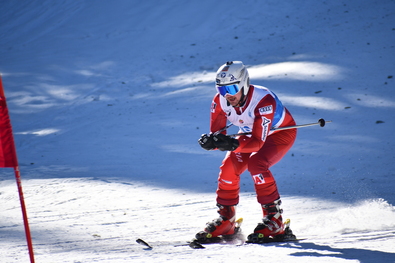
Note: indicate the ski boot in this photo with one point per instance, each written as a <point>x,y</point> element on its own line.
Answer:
<point>272,228</point>
<point>225,225</point>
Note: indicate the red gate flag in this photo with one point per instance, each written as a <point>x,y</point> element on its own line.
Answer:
<point>7,146</point>
<point>8,158</point>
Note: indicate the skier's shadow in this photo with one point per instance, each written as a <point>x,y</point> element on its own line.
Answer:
<point>363,255</point>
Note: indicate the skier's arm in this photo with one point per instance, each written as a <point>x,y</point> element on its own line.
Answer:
<point>217,122</point>
<point>217,116</point>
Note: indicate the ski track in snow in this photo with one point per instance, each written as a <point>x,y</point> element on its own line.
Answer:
<point>108,99</point>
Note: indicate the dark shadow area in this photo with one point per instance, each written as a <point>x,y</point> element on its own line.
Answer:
<point>321,251</point>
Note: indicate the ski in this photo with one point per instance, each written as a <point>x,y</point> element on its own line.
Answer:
<point>236,239</point>
<point>150,246</point>
<point>142,242</point>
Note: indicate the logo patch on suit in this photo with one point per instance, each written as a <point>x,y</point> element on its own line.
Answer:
<point>265,126</point>
<point>266,110</point>
<point>213,107</point>
<point>258,179</point>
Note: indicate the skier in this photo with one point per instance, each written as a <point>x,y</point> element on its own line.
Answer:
<point>255,110</point>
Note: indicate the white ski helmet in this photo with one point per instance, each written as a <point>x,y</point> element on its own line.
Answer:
<point>232,77</point>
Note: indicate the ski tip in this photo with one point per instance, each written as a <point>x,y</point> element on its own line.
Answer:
<point>196,244</point>
<point>142,242</point>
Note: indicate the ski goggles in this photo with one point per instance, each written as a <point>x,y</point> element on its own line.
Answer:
<point>228,89</point>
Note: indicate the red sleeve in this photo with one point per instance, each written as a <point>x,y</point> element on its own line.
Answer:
<point>218,116</point>
<point>264,114</point>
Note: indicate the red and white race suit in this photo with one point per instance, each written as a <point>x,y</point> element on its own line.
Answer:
<point>257,152</point>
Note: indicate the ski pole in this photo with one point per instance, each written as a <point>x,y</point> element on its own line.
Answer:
<point>224,128</point>
<point>320,122</point>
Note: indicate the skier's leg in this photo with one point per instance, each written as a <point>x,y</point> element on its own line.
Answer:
<point>228,190</point>
<point>232,166</point>
<point>275,147</point>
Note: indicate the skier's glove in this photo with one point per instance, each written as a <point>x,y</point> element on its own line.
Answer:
<point>206,142</point>
<point>225,143</point>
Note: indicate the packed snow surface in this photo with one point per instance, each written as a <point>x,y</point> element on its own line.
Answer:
<point>108,98</point>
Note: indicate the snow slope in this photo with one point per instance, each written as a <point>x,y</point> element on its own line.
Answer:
<point>108,98</point>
